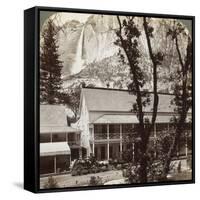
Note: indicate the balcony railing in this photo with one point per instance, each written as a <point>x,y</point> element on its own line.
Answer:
<point>103,136</point>
<point>114,135</point>
<point>100,136</point>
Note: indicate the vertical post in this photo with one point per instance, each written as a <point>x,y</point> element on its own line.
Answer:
<point>120,126</point>
<point>93,148</point>
<point>55,165</point>
<point>93,153</point>
<point>155,137</point>
<point>80,153</point>
<point>51,140</point>
<point>66,137</point>
<point>186,146</point>
<point>133,147</point>
<point>108,145</point>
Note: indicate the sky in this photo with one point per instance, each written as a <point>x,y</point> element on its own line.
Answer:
<point>63,17</point>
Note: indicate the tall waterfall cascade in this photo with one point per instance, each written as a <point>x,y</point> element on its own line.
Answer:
<point>78,62</point>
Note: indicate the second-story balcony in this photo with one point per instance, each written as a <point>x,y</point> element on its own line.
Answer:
<point>105,136</point>
<point>74,143</point>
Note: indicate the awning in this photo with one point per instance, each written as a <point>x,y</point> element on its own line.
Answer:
<point>57,129</point>
<point>116,119</point>
<point>55,148</point>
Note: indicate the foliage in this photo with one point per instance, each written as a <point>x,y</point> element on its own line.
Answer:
<point>51,183</point>
<point>87,166</point>
<point>71,98</point>
<point>50,66</point>
<point>182,88</point>
<point>95,181</point>
<point>128,37</point>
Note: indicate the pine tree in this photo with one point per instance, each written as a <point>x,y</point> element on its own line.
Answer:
<point>50,66</point>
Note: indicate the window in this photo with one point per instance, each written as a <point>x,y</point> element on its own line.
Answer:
<point>127,128</point>
<point>100,131</point>
<point>100,128</point>
<point>45,138</point>
<point>71,137</point>
<point>114,131</point>
<point>114,128</point>
<point>58,137</point>
<point>47,165</point>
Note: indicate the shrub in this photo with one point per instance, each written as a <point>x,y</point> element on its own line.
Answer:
<point>84,171</point>
<point>95,181</point>
<point>104,168</point>
<point>119,166</point>
<point>51,183</point>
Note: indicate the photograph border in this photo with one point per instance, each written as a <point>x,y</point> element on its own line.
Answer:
<point>37,97</point>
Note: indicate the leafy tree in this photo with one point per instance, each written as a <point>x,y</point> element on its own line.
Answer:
<point>128,36</point>
<point>182,89</point>
<point>71,98</point>
<point>50,66</point>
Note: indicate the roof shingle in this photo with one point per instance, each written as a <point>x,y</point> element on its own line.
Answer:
<point>120,100</point>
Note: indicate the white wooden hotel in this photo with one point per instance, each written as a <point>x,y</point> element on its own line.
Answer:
<point>105,117</point>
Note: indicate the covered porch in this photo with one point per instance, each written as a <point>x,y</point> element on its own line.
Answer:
<point>54,158</point>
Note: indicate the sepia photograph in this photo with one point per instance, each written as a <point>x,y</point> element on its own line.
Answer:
<point>116,100</point>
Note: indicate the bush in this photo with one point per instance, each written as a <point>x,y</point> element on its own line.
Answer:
<point>119,166</point>
<point>84,171</point>
<point>87,166</point>
<point>51,183</point>
<point>95,181</point>
<point>104,168</point>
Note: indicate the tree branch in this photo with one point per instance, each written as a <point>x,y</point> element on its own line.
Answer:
<point>156,98</point>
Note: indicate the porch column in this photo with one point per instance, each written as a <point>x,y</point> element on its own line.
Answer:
<point>120,127</point>
<point>80,153</point>
<point>108,145</point>
<point>51,137</point>
<point>55,165</point>
<point>93,141</point>
<point>93,148</point>
<point>155,136</point>
<point>186,146</point>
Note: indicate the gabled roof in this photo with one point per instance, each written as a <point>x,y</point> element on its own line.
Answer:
<point>52,115</point>
<point>53,119</point>
<point>100,99</point>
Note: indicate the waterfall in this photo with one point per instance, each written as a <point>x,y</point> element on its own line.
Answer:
<point>78,63</point>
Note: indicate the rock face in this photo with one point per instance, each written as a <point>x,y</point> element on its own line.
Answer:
<point>89,54</point>
<point>81,44</point>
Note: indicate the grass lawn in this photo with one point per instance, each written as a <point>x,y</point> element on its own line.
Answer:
<point>185,175</point>
<point>76,181</point>
<point>83,180</point>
